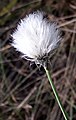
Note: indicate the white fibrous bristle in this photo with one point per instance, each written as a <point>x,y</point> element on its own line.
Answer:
<point>35,36</point>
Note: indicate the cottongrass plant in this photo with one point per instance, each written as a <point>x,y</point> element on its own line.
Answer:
<point>36,38</point>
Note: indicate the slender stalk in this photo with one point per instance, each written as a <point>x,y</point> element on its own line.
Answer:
<point>56,94</point>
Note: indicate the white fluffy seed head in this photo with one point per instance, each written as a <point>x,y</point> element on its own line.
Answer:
<point>35,36</point>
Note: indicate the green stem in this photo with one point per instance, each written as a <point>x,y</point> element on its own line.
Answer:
<point>56,94</point>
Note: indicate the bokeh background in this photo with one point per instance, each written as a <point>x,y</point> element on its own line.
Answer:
<point>25,93</point>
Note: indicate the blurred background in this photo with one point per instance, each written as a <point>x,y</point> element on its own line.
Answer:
<point>25,93</point>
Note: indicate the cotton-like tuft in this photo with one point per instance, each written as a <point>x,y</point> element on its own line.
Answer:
<point>35,37</point>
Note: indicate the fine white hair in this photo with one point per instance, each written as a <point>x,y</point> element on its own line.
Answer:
<point>35,36</point>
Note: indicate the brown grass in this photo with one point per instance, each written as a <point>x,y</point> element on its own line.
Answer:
<point>25,93</point>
